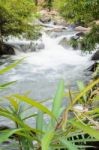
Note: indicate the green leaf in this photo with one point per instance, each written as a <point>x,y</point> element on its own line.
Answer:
<point>96,98</point>
<point>86,89</point>
<point>35,104</point>
<point>81,88</point>
<point>47,140</point>
<point>11,66</point>
<point>6,134</point>
<point>6,84</point>
<point>68,144</point>
<point>87,129</point>
<point>39,121</point>
<point>58,99</point>
<point>13,102</point>
<point>7,114</point>
<point>93,111</point>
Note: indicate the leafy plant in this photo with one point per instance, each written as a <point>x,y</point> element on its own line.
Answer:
<point>78,10</point>
<point>15,18</point>
<point>60,131</point>
<point>91,39</point>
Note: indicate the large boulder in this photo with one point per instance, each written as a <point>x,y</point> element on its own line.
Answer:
<point>6,49</point>
<point>82,29</point>
<point>95,56</point>
<point>78,36</point>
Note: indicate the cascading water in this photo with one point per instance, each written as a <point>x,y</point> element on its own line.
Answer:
<point>40,71</point>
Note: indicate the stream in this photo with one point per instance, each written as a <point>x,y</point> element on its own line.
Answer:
<point>40,72</point>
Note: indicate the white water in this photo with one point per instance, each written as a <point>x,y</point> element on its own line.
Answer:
<point>54,55</point>
<point>40,71</point>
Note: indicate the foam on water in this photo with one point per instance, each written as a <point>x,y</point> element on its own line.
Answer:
<point>41,71</point>
<point>54,55</point>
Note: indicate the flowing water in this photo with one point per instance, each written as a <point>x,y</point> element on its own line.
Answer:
<point>40,71</point>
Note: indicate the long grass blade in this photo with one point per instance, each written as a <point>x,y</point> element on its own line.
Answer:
<point>11,66</point>
<point>90,86</point>
<point>58,99</point>
<point>35,104</point>
<point>4,135</point>
<point>2,86</point>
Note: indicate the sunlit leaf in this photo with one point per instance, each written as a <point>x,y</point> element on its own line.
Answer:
<point>11,66</point>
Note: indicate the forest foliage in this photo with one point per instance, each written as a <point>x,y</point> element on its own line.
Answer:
<point>78,10</point>
<point>15,16</point>
<point>83,13</point>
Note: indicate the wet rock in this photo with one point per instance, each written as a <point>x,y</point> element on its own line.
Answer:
<point>28,46</point>
<point>80,34</point>
<point>95,56</point>
<point>64,42</point>
<point>36,46</point>
<point>93,67</point>
<point>6,49</point>
<point>52,16</point>
<point>45,19</point>
<point>77,36</point>
<point>24,47</point>
<point>32,47</point>
<point>75,40</point>
<point>40,46</point>
<point>71,26</point>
